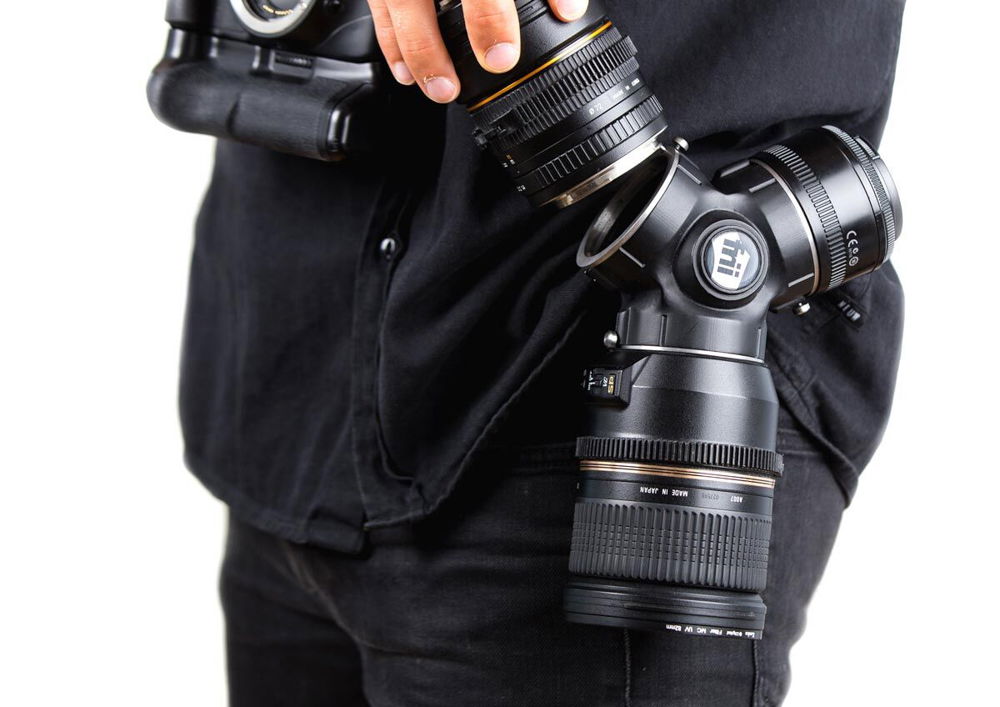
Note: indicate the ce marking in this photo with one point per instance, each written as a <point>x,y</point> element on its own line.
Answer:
<point>853,247</point>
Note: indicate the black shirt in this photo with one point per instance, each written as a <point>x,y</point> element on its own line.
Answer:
<point>357,333</point>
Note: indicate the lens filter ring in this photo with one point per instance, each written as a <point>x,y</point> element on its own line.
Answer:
<point>685,610</point>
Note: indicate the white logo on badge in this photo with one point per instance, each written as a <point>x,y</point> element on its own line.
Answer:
<point>729,261</point>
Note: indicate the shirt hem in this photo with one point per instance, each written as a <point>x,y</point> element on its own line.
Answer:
<point>330,533</point>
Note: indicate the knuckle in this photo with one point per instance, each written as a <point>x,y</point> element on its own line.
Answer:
<point>383,27</point>
<point>419,48</point>
<point>492,19</point>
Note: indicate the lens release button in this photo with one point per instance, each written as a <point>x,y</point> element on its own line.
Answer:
<point>608,385</point>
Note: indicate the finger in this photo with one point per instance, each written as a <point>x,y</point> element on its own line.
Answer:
<point>568,10</point>
<point>493,33</point>
<point>386,36</point>
<point>423,50</point>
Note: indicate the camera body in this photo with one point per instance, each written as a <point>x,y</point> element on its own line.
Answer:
<point>298,76</point>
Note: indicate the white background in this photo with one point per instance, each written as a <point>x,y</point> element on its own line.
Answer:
<point>110,549</point>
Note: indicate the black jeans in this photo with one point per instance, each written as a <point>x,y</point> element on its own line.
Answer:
<point>465,608</point>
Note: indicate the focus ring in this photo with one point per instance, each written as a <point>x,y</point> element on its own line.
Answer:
<point>707,454</point>
<point>653,542</point>
<point>499,107</point>
<point>824,209</point>
<point>581,77</point>
<point>593,147</point>
<point>566,97</point>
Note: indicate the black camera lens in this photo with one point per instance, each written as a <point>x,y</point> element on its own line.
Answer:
<point>673,512</point>
<point>572,116</point>
<point>843,199</point>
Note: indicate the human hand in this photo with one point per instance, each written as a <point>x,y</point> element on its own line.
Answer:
<point>408,34</point>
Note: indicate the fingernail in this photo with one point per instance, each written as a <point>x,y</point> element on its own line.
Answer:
<point>402,73</point>
<point>571,9</point>
<point>501,56</point>
<point>439,89</point>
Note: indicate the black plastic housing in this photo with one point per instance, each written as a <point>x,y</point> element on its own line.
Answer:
<point>316,92</point>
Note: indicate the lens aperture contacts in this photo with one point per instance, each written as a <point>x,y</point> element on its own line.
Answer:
<point>275,8</point>
<point>271,18</point>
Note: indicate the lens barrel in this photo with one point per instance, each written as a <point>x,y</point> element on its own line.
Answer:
<point>673,513</point>
<point>572,116</point>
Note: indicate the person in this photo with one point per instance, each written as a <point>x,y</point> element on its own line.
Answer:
<point>381,371</point>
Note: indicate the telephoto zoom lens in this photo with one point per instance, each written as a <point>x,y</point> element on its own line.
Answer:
<point>671,530</point>
<point>573,115</point>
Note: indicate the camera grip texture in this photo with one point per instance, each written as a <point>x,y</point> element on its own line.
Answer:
<point>300,119</point>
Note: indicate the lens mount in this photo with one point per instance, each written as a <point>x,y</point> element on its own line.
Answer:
<point>267,19</point>
<point>628,209</point>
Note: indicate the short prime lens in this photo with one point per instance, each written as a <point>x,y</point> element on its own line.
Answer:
<point>573,115</point>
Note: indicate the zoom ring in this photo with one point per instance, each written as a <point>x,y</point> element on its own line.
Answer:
<point>668,451</point>
<point>593,147</point>
<point>670,544</point>
<point>824,208</point>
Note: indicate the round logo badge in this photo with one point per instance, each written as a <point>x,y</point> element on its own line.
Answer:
<point>732,261</point>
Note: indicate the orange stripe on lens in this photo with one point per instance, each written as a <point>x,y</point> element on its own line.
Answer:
<point>571,49</point>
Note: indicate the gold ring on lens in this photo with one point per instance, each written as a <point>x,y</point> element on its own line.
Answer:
<point>571,49</point>
<point>674,472</point>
